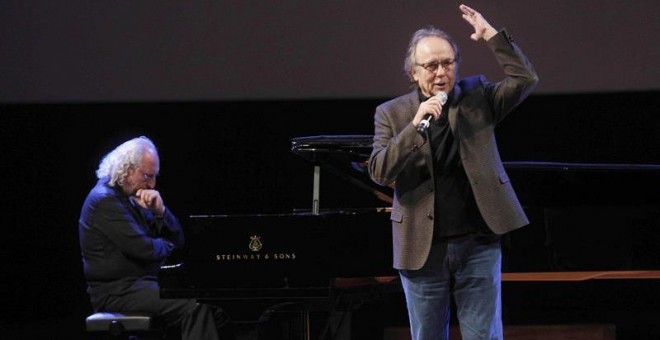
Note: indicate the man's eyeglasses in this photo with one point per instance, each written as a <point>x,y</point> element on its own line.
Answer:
<point>433,66</point>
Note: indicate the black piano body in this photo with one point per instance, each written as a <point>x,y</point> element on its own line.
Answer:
<point>299,255</point>
<point>326,262</point>
<point>280,256</point>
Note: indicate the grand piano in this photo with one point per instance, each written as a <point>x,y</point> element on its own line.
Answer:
<point>589,223</point>
<point>317,264</point>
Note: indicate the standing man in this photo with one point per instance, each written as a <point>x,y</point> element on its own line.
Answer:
<point>452,196</point>
<point>126,233</point>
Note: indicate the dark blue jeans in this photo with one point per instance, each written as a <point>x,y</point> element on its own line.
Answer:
<point>467,268</point>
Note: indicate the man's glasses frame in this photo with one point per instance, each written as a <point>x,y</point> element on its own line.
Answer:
<point>432,66</point>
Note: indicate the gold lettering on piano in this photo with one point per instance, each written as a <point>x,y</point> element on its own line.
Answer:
<point>256,257</point>
<point>284,256</point>
<point>255,245</point>
<point>237,257</point>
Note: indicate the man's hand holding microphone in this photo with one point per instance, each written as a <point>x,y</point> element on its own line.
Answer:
<point>429,110</point>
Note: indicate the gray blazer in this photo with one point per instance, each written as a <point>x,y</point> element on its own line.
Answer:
<point>402,158</point>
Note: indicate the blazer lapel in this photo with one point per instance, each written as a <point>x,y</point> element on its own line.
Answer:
<point>425,148</point>
<point>413,104</point>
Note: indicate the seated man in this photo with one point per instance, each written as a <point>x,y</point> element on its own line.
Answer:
<point>126,233</point>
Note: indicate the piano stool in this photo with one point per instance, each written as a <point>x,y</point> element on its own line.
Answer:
<point>132,326</point>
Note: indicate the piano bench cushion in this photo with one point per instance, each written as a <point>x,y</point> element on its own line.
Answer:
<point>118,323</point>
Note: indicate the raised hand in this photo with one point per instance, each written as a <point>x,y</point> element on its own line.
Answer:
<point>482,29</point>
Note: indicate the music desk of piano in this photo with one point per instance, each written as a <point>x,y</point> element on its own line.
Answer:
<point>592,225</point>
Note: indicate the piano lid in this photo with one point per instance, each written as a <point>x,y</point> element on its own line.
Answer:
<point>344,155</point>
<point>317,148</point>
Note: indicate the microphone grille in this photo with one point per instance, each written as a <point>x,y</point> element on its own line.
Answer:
<point>442,97</point>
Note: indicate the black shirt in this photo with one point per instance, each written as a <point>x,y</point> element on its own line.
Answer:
<point>456,211</point>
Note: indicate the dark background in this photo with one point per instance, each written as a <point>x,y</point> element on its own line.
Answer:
<point>234,157</point>
<point>222,88</point>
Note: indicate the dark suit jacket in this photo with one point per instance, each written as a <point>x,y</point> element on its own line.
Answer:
<point>402,158</point>
<point>121,243</point>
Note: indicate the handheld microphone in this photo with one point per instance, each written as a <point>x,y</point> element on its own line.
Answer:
<point>424,124</point>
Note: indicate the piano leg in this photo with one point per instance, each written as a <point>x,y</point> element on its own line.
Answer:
<point>337,326</point>
<point>289,323</point>
<point>285,321</point>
